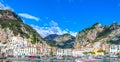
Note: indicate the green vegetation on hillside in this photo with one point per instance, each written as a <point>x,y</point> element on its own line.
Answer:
<point>51,43</point>
<point>18,27</point>
<point>63,41</point>
<point>83,34</point>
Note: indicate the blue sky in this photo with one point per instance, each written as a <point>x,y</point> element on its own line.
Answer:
<point>65,16</point>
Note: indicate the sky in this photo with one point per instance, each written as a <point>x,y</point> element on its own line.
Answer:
<point>64,16</point>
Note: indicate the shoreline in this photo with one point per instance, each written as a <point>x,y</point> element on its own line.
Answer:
<point>75,60</point>
<point>22,59</point>
<point>86,60</point>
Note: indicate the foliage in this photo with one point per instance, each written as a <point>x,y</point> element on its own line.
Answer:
<point>115,41</point>
<point>100,51</point>
<point>105,32</point>
<point>83,34</point>
<point>4,42</point>
<point>85,53</point>
<point>51,43</point>
<point>63,42</point>
<point>17,26</point>
<point>88,29</point>
<point>51,53</point>
<point>118,53</point>
<point>92,52</point>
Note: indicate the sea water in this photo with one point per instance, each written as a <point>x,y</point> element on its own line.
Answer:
<point>103,60</point>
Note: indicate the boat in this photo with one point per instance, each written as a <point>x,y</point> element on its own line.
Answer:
<point>113,56</point>
<point>99,57</point>
<point>3,57</point>
<point>32,57</point>
<point>38,57</point>
<point>78,60</point>
<point>59,57</point>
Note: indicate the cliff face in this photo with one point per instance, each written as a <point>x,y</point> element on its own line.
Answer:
<point>6,15</point>
<point>98,36</point>
<point>11,25</point>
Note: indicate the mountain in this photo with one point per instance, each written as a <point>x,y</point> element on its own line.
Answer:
<point>98,36</point>
<point>61,41</point>
<point>11,25</point>
<point>51,37</point>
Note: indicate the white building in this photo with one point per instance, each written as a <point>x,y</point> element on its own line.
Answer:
<point>16,46</point>
<point>64,52</point>
<point>18,42</point>
<point>67,52</point>
<point>77,53</point>
<point>27,51</point>
<point>114,49</point>
<point>60,52</point>
<point>45,50</point>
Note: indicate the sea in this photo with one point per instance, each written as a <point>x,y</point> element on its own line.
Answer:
<point>103,60</point>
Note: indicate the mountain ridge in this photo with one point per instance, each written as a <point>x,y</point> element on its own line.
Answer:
<point>97,36</point>
<point>61,41</point>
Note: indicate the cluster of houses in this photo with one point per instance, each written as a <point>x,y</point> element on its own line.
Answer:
<point>20,47</point>
<point>114,49</point>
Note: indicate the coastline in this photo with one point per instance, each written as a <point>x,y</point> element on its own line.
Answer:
<point>76,60</point>
<point>86,60</point>
<point>26,59</point>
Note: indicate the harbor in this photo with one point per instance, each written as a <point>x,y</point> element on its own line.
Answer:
<point>65,59</point>
<point>79,60</point>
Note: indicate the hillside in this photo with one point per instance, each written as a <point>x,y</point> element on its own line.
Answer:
<point>98,36</point>
<point>12,25</point>
<point>61,41</point>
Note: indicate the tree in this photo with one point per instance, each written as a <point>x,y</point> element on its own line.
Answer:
<point>51,53</point>
<point>92,52</point>
<point>118,53</point>
<point>85,53</point>
<point>101,51</point>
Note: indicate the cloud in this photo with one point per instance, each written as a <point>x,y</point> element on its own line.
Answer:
<point>4,6</point>
<point>73,33</point>
<point>53,23</point>
<point>52,29</point>
<point>28,16</point>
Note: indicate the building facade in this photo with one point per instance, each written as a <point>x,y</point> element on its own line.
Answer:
<point>27,51</point>
<point>67,52</point>
<point>114,49</point>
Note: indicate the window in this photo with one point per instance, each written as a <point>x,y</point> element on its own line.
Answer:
<point>112,47</point>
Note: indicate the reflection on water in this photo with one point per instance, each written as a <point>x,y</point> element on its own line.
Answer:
<point>28,61</point>
<point>108,60</point>
<point>39,61</point>
<point>111,60</point>
<point>104,60</point>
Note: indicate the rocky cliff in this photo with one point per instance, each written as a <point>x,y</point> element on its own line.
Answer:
<point>11,25</point>
<point>98,36</point>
